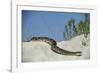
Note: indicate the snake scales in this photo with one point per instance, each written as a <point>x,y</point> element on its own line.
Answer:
<point>54,46</point>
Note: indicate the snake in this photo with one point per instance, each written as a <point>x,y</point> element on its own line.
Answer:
<point>54,46</point>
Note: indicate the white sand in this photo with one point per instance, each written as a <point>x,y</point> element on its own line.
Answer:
<point>41,51</point>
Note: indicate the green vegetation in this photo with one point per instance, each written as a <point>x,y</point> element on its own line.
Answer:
<point>72,29</point>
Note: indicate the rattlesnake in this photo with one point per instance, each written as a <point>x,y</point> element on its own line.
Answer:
<point>54,46</point>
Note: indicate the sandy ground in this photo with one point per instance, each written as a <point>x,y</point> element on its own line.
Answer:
<point>41,51</point>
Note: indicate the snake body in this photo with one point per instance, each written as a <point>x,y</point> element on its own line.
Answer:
<point>54,46</point>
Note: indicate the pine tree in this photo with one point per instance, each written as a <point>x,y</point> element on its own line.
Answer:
<point>66,32</point>
<point>70,28</point>
<point>87,18</point>
<point>64,35</point>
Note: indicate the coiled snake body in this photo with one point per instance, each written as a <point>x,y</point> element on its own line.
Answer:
<point>54,46</point>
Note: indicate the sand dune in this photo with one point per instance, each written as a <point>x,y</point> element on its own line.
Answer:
<point>41,51</point>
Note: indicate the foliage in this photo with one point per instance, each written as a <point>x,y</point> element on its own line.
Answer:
<point>84,41</point>
<point>83,27</point>
<point>70,29</point>
<point>64,34</point>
